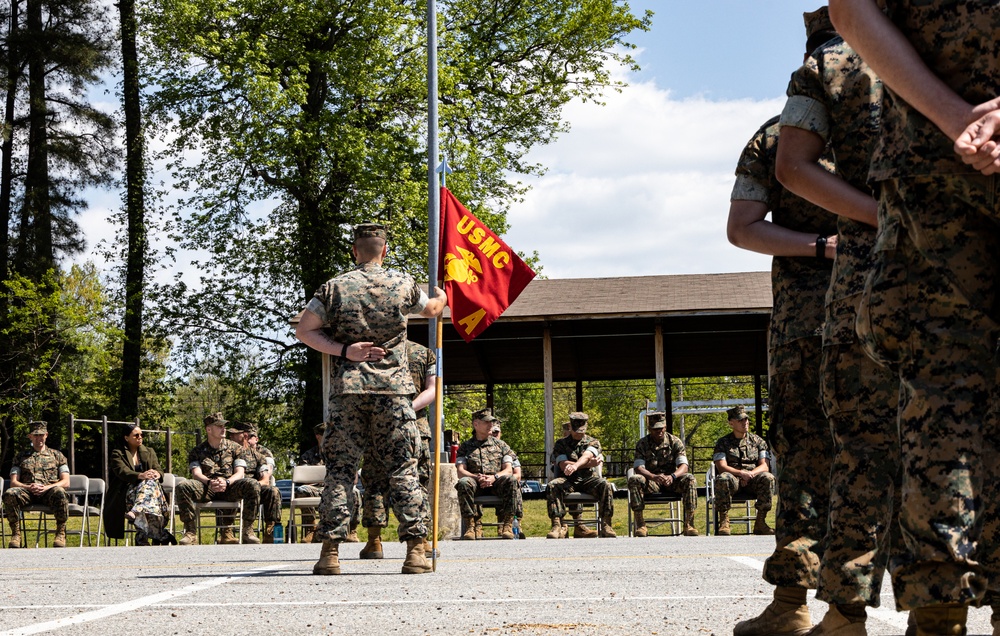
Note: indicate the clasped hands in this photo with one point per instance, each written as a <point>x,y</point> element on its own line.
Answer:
<point>979,144</point>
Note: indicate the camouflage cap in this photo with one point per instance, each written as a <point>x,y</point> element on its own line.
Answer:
<point>737,413</point>
<point>216,418</point>
<point>656,420</point>
<point>370,230</point>
<point>565,426</point>
<point>251,430</point>
<point>320,428</point>
<point>38,427</point>
<point>578,421</point>
<point>238,427</point>
<point>485,415</point>
<point>819,28</point>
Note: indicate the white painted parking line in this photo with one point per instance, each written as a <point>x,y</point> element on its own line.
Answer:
<point>138,603</point>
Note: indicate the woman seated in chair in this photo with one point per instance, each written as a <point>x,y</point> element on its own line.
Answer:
<point>134,492</point>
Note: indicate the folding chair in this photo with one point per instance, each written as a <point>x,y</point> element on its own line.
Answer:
<point>485,501</point>
<point>78,490</point>
<point>712,516</point>
<point>668,503</point>
<point>169,486</point>
<point>96,487</point>
<point>215,507</point>
<point>301,476</point>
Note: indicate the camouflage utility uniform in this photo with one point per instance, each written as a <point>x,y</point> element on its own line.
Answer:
<point>486,457</point>
<point>836,96</point>
<point>584,480</point>
<point>802,445</point>
<point>43,467</point>
<point>932,309</point>
<point>218,462</point>
<point>270,496</point>
<point>742,454</point>
<point>370,406</point>
<point>662,459</point>
<point>421,362</point>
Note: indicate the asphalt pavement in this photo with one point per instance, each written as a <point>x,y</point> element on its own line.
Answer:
<point>657,585</point>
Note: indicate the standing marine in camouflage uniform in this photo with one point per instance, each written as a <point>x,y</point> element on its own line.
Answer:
<point>39,475</point>
<point>741,467</point>
<point>578,457</point>
<point>484,466</point>
<point>802,238</point>
<point>422,364</point>
<point>365,312</point>
<point>834,103</point>
<point>661,466</point>
<point>218,466</point>
<point>931,304</point>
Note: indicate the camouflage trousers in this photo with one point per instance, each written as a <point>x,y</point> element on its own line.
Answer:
<point>270,501</point>
<point>190,491</point>
<point>14,499</point>
<point>376,482</point>
<point>685,486</point>
<point>802,446</point>
<point>861,398</point>
<point>932,307</point>
<point>594,486</point>
<point>727,486</point>
<point>382,426</point>
<point>505,487</point>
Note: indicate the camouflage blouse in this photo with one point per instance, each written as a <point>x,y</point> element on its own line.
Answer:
<point>217,462</point>
<point>744,454</point>
<point>487,457</point>
<point>44,467</point>
<point>662,458</point>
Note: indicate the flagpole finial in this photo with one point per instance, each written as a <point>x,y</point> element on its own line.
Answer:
<point>444,169</point>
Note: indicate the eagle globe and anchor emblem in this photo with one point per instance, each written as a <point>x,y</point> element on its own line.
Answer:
<point>462,268</point>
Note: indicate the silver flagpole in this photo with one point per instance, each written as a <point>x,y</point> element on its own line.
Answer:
<point>433,237</point>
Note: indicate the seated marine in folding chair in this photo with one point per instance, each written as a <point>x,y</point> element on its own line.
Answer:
<point>741,468</point>
<point>661,466</point>
<point>218,466</point>
<point>39,475</point>
<point>259,469</point>
<point>484,467</point>
<point>578,457</point>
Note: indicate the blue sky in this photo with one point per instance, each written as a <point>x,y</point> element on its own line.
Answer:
<point>641,186</point>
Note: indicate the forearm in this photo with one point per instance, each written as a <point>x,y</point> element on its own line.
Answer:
<point>748,229</point>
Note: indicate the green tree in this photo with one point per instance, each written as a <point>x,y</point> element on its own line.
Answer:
<point>319,109</point>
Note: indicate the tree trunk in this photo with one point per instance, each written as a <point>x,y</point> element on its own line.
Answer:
<point>7,148</point>
<point>135,178</point>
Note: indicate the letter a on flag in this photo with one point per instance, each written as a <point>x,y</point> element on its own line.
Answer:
<point>482,275</point>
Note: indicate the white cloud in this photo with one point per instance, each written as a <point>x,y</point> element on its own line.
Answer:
<point>640,186</point>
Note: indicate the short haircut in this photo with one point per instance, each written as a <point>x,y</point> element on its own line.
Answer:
<point>369,247</point>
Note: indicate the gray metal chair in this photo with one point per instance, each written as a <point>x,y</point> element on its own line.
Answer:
<point>745,517</point>
<point>302,476</point>
<point>78,490</point>
<point>83,509</point>
<point>669,504</point>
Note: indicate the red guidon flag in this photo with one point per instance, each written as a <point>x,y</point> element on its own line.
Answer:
<point>482,275</point>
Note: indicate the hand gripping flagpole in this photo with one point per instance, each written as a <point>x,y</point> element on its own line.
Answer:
<point>433,237</point>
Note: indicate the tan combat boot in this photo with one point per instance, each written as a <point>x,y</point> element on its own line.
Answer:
<point>760,525</point>
<point>416,562</point>
<point>689,529</point>
<point>329,559</point>
<point>640,524</point>
<point>787,615</point>
<point>249,536</point>
<point>507,528</point>
<point>269,532</point>
<point>946,619</point>
<point>373,549</point>
<point>352,536</point>
<point>557,528</point>
<point>60,540</point>
<point>479,528</point>
<point>308,526</point>
<point>470,529</point>
<point>583,531</point>
<point>227,536</point>
<point>15,534</point>
<point>724,525</point>
<point>563,530</point>
<point>607,532</point>
<point>836,624</point>
<point>190,535</point>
